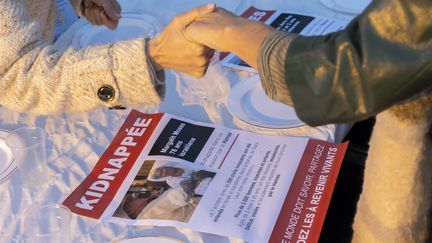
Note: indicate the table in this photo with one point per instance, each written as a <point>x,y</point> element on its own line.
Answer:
<point>75,141</point>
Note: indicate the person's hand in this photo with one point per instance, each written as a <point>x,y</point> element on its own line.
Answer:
<point>225,31</point>
<point>173,49</point>
<point>102,12</point>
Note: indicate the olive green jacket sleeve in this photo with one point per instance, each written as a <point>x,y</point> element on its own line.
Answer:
<point>384,56</point>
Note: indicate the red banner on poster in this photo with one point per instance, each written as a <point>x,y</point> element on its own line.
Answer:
<point>306,204</point>
<point>96,192</point>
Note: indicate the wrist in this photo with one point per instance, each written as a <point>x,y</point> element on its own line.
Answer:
<point>248,43</point>
<point>153,45</point>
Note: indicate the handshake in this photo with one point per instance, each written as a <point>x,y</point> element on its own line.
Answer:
<point>187,44</point>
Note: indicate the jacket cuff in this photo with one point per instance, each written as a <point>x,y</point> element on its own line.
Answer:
<point>137,80</point>
<point>271,65</point>
<point>116,76</point>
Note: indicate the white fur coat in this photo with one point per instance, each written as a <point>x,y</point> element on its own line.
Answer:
<point>395,205</point>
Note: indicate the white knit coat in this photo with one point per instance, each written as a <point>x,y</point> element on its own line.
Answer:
<point>36,77</point>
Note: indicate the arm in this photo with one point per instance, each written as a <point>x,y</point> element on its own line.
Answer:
<point>383,57</point>
<point>36,77</point>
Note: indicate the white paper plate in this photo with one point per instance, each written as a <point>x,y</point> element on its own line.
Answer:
<point>249,103</point>
<point>150,239</point>
<point>7,164</point>
<point>131,25</point>
<point>346,6</point>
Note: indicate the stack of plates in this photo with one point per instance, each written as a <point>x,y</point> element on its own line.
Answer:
<point>131,25</point>
<point>249,103</point>
<point>346,6</point>
<point>7,164</point>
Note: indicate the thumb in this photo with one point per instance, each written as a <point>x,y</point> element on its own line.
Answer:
<point>187,17</point>
<point>111,7</point>
<point>196,32</point>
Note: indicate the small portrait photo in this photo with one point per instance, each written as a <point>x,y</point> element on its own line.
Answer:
<point>164,190</point>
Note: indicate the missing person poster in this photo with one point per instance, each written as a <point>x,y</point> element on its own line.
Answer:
<point>164,170</point>
<point>292,22</point>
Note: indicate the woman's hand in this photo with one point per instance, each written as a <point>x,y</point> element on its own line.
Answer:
<point>225,31</point>
<point>102,12</point>
<point>173,49</point>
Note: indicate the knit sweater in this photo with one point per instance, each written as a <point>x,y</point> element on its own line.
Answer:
<point>36,77</point>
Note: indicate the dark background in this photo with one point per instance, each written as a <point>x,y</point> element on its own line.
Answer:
<point>340,215</point>
<point>200,133</point>
<point>300,20</point>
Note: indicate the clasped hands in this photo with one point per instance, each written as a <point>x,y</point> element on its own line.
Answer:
<point>188,42</point>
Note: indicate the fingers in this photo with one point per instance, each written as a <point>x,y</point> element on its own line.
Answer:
<point>102,12</point>
<point>198,73</point>
<point>112,9</point>
<point>200,66</point>
<point>173,49</point>
<point>196,32</point>
<point>223,11</point>
<point>116,6</point>
<point>196,66</point>
<point>87,3</point>
<point>111,24</point>
<point>97,16</point>
<point>93,15</point>
<point>196,70</point>
<point>186,18</point>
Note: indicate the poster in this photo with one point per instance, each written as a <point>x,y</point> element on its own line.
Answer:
<point>165,170</point>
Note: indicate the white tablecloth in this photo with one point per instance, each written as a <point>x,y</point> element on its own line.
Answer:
<point>75,141</point>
